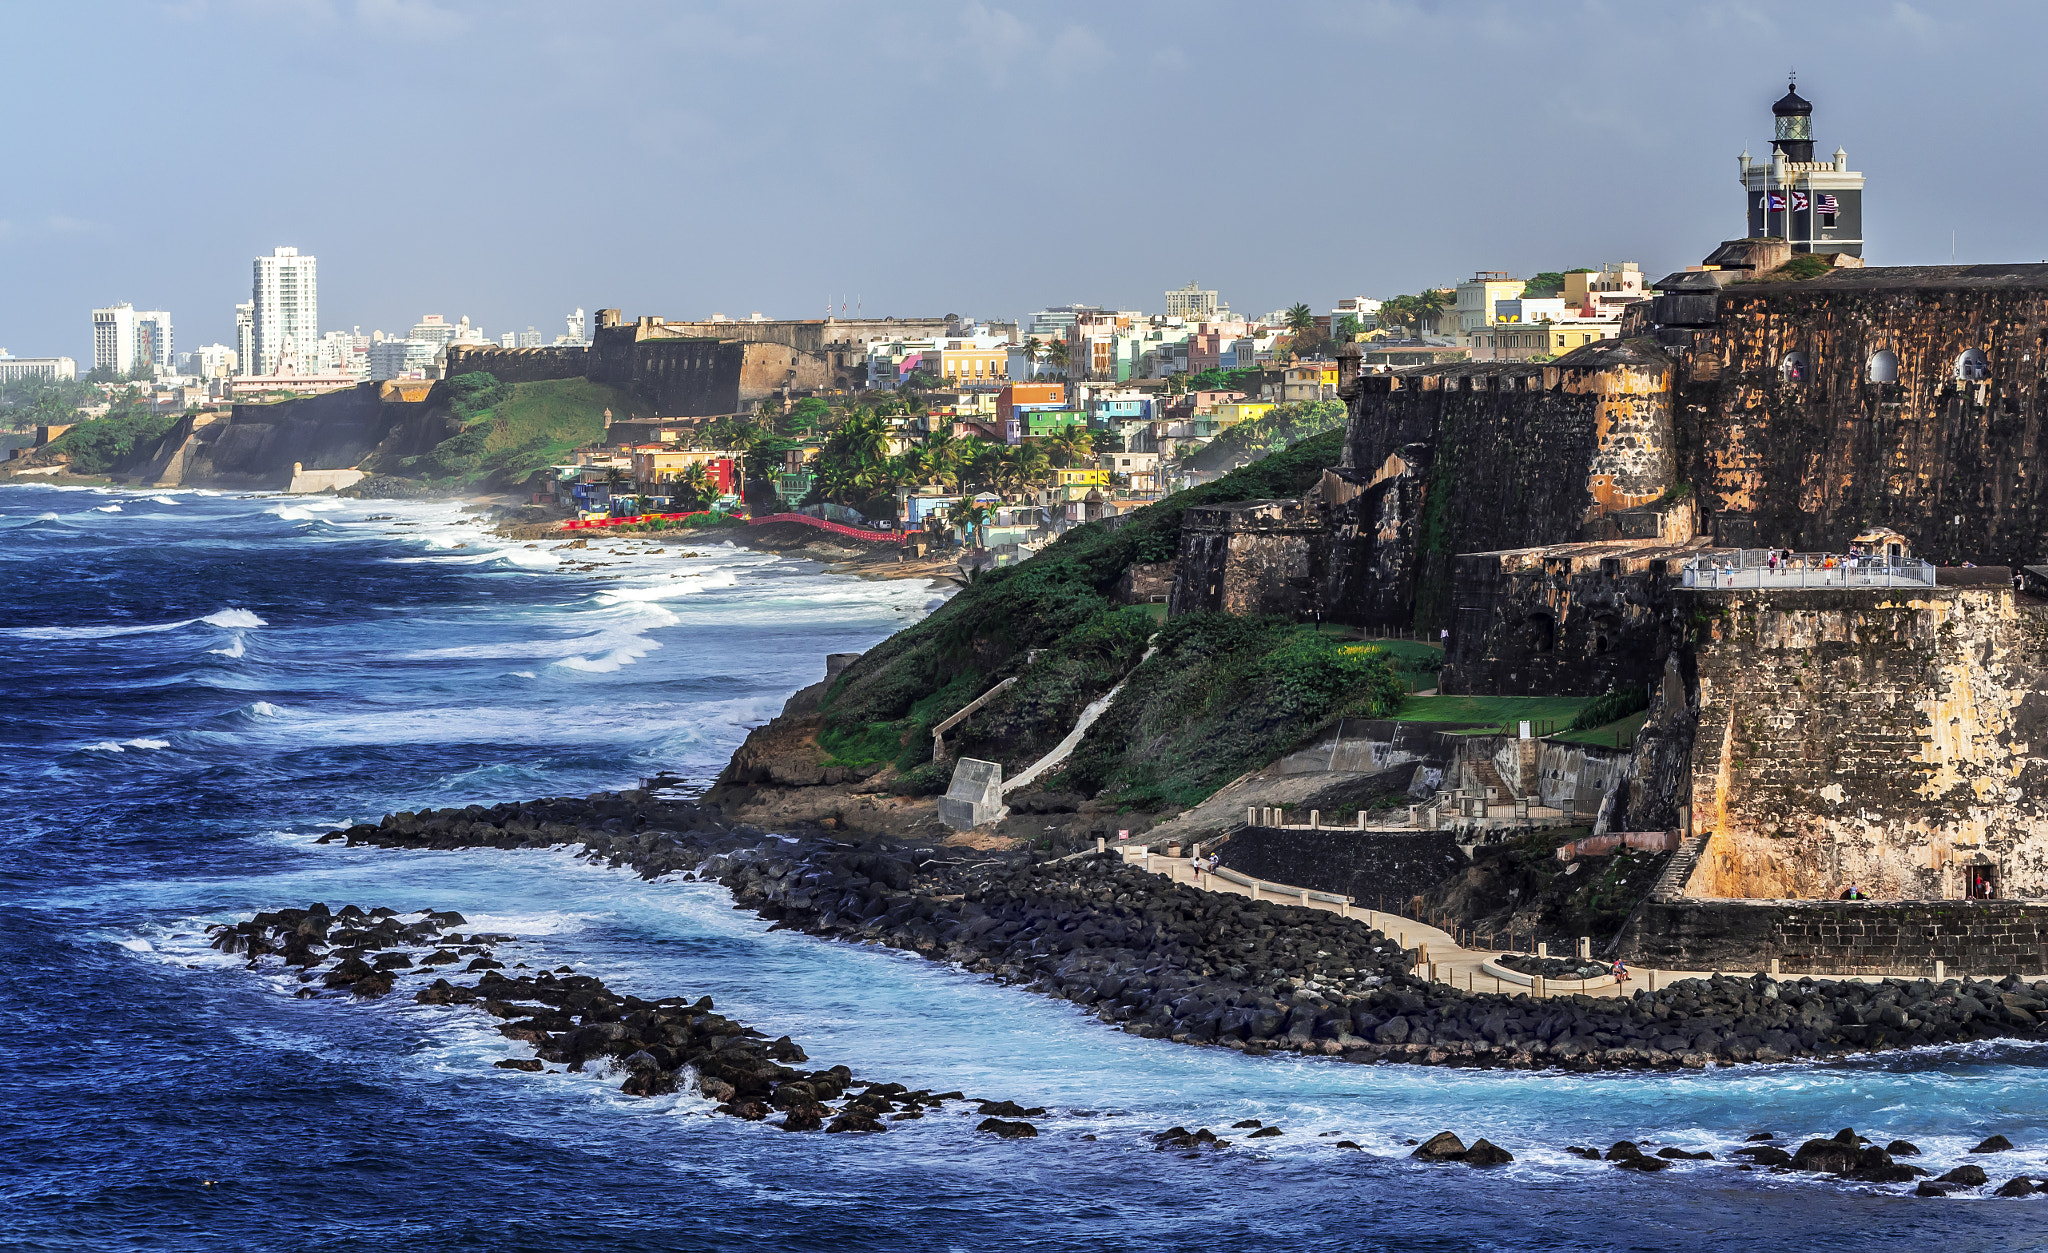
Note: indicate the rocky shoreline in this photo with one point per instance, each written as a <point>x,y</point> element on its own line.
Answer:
<point>1163,960</point>
<point>577,1023</point>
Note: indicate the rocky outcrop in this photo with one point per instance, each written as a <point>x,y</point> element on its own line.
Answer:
<point>1166,960</point>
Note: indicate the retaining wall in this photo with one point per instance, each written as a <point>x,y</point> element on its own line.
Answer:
<point>1349,863</point>
<point>1841,937</point>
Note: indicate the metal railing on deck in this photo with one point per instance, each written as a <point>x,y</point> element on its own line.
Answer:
<point>1753,568</point>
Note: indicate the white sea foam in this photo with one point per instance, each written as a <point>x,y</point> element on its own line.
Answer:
<point>264,709</point>
<point>524,674</point>
<point>108,509</point>
<point>109,746</point>
<point>164,500</point>
<point>233,618</point>
<point>625,655</point>
<point>291,513</point>
<point>147,743</point>
<point>234,650</point>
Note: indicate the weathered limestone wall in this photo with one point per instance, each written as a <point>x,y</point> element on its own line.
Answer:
<point>518,365</point>
<point>1561,620</point>
<point>1251,557</point>
<point>705,377</point>
<point>1884,739</point>
<point>1953,464</point>
<point>1373,868</point>
<point>1488,457</point>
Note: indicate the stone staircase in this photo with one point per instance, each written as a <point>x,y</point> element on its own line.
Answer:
<point>1670,884</point>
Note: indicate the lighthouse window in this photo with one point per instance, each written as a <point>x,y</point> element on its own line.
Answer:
<point>1827,219</point>
<point>1793,367</point>
<point>1972,366</point>
<point>1884,366</point>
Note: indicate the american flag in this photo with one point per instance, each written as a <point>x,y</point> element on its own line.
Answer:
<point>1825,203</point>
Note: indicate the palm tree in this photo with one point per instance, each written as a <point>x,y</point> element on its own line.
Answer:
<point>970,517</point>
<point>1069,446</point>
<point>1300,319</point>
<point>1429,306</point>
<point>1058,351</point>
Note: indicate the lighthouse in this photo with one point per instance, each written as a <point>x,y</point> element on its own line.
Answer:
<point>1816,206</point>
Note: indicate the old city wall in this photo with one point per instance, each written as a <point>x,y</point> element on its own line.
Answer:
<point>1502,456</point>
<point>1807,462</point>
<point>1840,937</point>
<point>1887,739</point>
<point>1561,620</point>
<point>519,365</point>
<point>1251,557</point>
<point>259,443</point>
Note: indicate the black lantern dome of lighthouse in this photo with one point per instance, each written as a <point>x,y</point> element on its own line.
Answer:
<point>1794,131</point>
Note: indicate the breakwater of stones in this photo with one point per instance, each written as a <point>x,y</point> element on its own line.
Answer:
<point>576,1023</point>
<point>1167,960</point>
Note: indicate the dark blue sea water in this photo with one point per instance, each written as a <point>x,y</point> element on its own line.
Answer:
<point>196,685</point>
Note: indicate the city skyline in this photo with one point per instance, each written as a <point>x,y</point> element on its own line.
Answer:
<point>1357,149</point>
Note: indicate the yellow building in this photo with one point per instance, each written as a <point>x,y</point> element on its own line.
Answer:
<point>1508,341</point>
<point>1082,477</point>
<point>960,363</point>
<point>1309,380</point>
<point>1242,411</point>
<point>1474,307</point>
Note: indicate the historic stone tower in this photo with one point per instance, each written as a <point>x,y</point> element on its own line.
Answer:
<point>1815,205</point>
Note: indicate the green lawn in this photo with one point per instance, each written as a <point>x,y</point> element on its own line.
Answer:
<point>1617,734</point>
<point>1493,711</point>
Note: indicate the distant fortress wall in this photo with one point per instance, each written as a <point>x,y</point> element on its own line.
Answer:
<point>519,365</point>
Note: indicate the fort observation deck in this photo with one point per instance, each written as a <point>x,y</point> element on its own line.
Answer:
<point>1737,568</point>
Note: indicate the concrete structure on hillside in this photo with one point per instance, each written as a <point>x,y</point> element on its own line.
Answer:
<point>285,313</point>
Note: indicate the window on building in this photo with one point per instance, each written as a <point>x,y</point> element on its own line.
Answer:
<point>1884,366</point>
<point>1794,368</point>
<point>1827,219</point>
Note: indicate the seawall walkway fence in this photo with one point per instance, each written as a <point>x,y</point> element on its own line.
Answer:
<point>1752,568</point>
<point>837,528</point>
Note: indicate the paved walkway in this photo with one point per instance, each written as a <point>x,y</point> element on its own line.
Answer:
<point>1440,957</point>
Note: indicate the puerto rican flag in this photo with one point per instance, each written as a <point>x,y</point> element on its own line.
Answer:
<point>1774,203</point>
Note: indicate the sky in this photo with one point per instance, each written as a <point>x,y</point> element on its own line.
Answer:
<point>512,160</point>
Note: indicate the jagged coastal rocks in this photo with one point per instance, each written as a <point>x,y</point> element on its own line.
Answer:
<point>576,1022</point>
<point>1163,960</point>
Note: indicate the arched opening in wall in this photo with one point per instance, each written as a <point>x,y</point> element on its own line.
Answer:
<point>1540,631</point>
<point>1606,632</point>
<point>1884,366</point>
<point>1794,368</point>
<point>1973,366</point>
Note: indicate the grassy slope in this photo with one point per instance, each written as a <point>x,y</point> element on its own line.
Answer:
<point>883,707</point>
<point>544,421</point>
<point>1491,710</point>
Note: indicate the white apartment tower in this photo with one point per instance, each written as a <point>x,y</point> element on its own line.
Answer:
<point>245,337</point>
<point>286,320</point>
<point>124,337</point>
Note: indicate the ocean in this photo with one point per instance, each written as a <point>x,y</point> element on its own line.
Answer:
<point>199,684</point>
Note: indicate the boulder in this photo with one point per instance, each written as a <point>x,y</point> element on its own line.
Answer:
<point>1486,1153</point>
<point>1681,1155</point>
<point>1968,1176</point>
<point>520,1063</point>
<point>1928,1189</point>
<point>2019,1185</point>
<point>802,1120</point>
<point>1007,1130</point>
<point>1902,1148</point>
<point>1623,1150</point>
<point>1646,1164</point>
<point>1441,1147</point>
<point>1996,1144</point>
<point>1264,1133</point>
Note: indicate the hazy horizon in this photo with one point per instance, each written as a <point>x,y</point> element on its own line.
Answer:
<point>512,162</point>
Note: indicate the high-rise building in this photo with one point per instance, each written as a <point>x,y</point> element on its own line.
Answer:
<point>212,361</point>
<point>510,339</point>
<point>14,369</point>
<point>399,358</point>
<point>433,329</point>
<point>245,337</point>
<point>124,337</point>
<point>529,338</point>
<point>578,332</point>
<point>286,321</point>
<point>1194,304</point>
